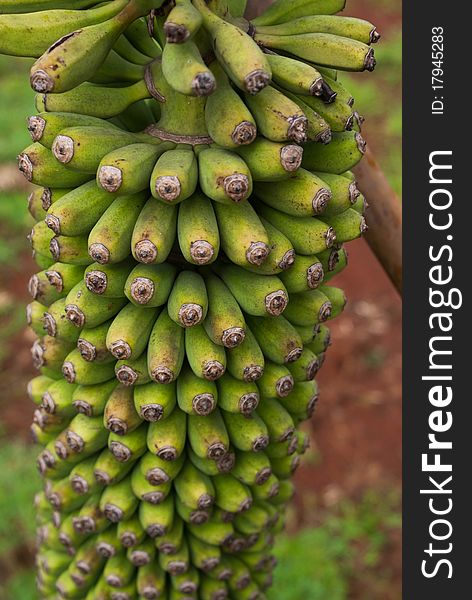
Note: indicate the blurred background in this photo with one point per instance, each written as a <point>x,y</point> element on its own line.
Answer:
<point>343,538</point>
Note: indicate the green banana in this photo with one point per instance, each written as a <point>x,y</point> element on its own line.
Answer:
<point>342,154</point>
<point>150,285</point>
<point>303,195</point>
<point>252,468</point>
<point>278,421</point>
<point>302,400</point>
<point>247,434</point>
<point>344,193</point>
<point>108,280</point>
<point>188,301</point>
<point>308,235</point>
<point>70,249</point>
<point>118,571</point>
<point>46,126</point>
<point>77,212</point>
<point>176,564</point>
<point>224,176</point>
<point>175,175</point>
<point>282,254</point>
<point>306,274</point>
<point>224,464</point>
<point>197,229</point>
<point>133,372</point>
<point>276,382</point>
<point>125,450</point>
<point>120,416</point>
<point>146,492</point>
<point>37,386</point>
<point>49,353</point>
<point>196,396</point>
<point>34,317</point>
<point>309,307</point>
<point>91,400</point>
<point>39,286</point>
<point>293,75</point>
<point>150,581</point>
<point>40,167</point>
<point>129,331</point>
<point>99,101</point>
<point>278,339</point>
<point>166,438</point>
<point>306,367</point>
<point>157,519</point>
<point>271,161</point>
<point>323,49</point>
<point>268,294</point>
<point>207,435</point>
<point>157,470</point>
<point>246,361</point>
<point>348,27</point>
<point>118,502</point>
<point>57,400</point>
<point>278,118</point>
<point>75,147</point>
<point>204,556</point>
<point>77,370</point>
<point>138,34</point>
<point>85,309</point>
<point>56,325</point>
<point>194,489</point>
<point>171,541</point>
<point>224,323</point>
<point>349,225</point>
<point>130,532</point>
<point>281,12</point>
<point>129,52</point>
<point>182,23</point>
<point>248,68</point>
<point>69,62</point>
<point>185,71</point>
<point>111,238</point>
<point>155,401</point>
<point>243,236</point>
<point>228,120</point>
<point>166,349</point>
<point>26,6</point>
<point>38,32</point>
<point>337,298</point>
<point>337,115</point>
<point>154,232</point>
<point>238,396</point>
<point>127,169</point>
<point>86,435</point>
<point>206,359</point>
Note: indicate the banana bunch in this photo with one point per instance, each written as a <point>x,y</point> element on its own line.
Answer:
<point>193,197</point>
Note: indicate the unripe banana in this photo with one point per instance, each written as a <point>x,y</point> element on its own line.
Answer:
<point>348,27</point>
<point>248,434</point>
<point>276,382</point>
<point>77,212</point>
<point>118,502</point>
<point>243,236</point>
<point>138,34</point>
<point>310,307</point>
<point>133,371</point>
<point>279,423</point>
<point>182,22</point>
<point>308,235</point>
<point>125,450</point>
<point>338,115</point>
<point>349,225</point>
<point>75,146</point>
<point>45,126</point>
<point>278,339</point>
<point>225,323</point>
<point>185,71</point>
<point>175,175</point>
<point>224,464</point>
<point>246,361</point>
<point>76,370</point>
<point>40,167</point>
<point>248,68</point>
<point>207,435</point>
<point>323,49</point>
<point>150,580</point>
<point>280,12</point>
<point>92,343</point>
<point>26,6</point>
<point>278,118</point>
<point>196,396</point>
<point>224,176</point>
<point>306,274</point>
<point>108,280</point>
<point>171,541</point>
<point>90,400</point>
<point>39,31</point>
<point>166,349</point>
<point>166,438</point>
<point>129,52</point>
<point>342,154</point>
<point>305,368</point>
<point>268,294</point>
<point>55,323</point>
<point>150,285</point>
<point>128,168</point>
<point>146,492</point>
<point>157,519</point>
<point>252,468</point>
<point>110,241</point>
<point>69,61</point>
<point>118,571</point>
<point>154,232</point>
<point>271,161</point>
<point>303,195</point>
<point>113,64</point>
<point>237,396</point>
<point>344,193</point>
<point>129,332</point>
<point>154,402</point>
<point>229,122</point>
<point>85,309</point>
<point>49,353</point>
<point>198,233</point>
<point>294,75</point>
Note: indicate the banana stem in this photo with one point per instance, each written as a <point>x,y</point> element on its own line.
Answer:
<point>384,217</point>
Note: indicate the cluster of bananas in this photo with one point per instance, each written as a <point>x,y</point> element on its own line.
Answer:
<point>193,196</point>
